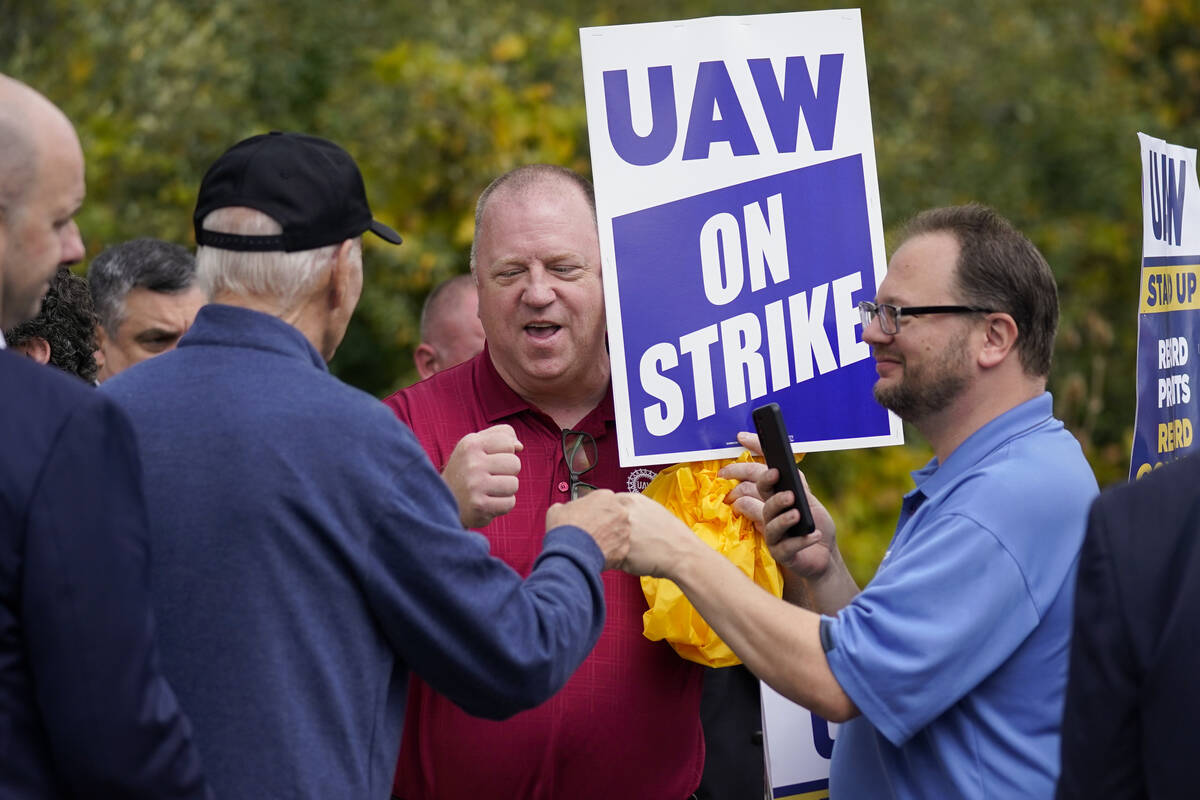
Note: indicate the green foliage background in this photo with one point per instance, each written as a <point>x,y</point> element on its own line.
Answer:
<point>1025,105</point>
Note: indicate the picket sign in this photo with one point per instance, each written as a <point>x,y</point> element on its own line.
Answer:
<point>740,226</point>
<point>739,219</point>
<point>1168,307</point>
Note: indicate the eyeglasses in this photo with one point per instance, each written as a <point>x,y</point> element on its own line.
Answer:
<point>581,454</point>
<point>889,315</point>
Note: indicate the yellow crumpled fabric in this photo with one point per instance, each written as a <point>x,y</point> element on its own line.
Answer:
<point>694,494</point>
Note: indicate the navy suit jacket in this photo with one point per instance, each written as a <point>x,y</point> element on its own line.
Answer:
<point>84,710</point>
<point>1133,695</point>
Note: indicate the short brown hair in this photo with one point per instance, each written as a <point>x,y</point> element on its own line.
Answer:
<point>999,268</point>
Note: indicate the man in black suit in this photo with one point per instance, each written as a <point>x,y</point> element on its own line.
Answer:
<point>84,710</point>
<point>1133,699</point>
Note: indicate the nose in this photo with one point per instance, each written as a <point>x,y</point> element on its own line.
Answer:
<point>873,334</point>
<point>72,245</point>
<point>539,291</point>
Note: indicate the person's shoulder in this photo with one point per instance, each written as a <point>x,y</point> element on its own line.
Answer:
<point>1052,462</point>
<point>358,404</point>
<point>1145,529</point>
<point>354,415</point>
<point>29,390</point>
<point>1171,486</point>
<point>147,380</point>
<point>1030,482</point>
<point>344,409</point>
<point>363,430</point>
<point>43,408</point>
<point>441,384</point>
<point>449,385</point>
<point>1046,459</point>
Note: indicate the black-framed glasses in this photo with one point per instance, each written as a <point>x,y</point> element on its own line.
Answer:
<point>581,454</point>
<point>889,315</point>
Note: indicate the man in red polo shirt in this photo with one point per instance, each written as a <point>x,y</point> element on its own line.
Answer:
<point>526,423</point>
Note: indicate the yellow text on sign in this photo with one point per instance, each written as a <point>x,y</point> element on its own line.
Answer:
<point>1174,434</point>
<point>1175,288</point>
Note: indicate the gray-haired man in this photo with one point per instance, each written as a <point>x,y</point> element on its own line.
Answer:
<point>146,297</point>
<point>308,557</point>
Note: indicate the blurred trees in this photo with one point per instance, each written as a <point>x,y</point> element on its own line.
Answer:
<point>1028,106</point>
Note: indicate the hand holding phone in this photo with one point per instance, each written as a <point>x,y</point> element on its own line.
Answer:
<point>777,450</point>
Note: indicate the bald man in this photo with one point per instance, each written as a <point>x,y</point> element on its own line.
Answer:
<point>451,331</point>
<point>84,711</point>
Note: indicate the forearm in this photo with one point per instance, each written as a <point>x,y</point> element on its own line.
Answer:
<point>827,594</point>
<point>529,642</point>
<point>507,644</point>
<point>778,641</point>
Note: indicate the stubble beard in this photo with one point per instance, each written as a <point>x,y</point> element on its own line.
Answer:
<point>924,391</point>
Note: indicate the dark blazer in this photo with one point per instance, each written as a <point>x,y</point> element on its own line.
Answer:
<point>1133,696</point>
<point>83,709</point>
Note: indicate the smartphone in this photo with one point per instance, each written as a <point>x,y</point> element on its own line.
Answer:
<point>777,449</point>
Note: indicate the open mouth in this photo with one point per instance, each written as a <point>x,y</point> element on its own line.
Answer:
<point>542,330</point>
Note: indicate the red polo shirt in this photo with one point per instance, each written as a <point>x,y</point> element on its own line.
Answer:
<point>627,724</point>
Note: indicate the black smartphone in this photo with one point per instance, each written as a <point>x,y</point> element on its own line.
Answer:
<point>777,450</point>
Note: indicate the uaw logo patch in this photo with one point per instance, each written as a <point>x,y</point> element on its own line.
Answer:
<point>639,479</point>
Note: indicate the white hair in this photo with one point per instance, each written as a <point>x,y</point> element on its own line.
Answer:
<point>287,278</point>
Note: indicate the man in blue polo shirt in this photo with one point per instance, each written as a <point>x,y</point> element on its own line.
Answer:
<point>948,669</point>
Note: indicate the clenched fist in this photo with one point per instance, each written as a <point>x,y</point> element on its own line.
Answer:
<point>482,474</point>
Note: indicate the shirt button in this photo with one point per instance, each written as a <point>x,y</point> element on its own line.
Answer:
<point>563,486</point>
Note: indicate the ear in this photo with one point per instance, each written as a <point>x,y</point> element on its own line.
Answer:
<point>36,348</point>
<point>340,275</point>
<point>98,354</point>
<point>999,339</point>
<point>425,358</point>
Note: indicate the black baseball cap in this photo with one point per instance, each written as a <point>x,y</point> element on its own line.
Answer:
<point>308,185</point>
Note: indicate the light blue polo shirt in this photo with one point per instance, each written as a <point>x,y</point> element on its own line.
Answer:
<point>956,651</point>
